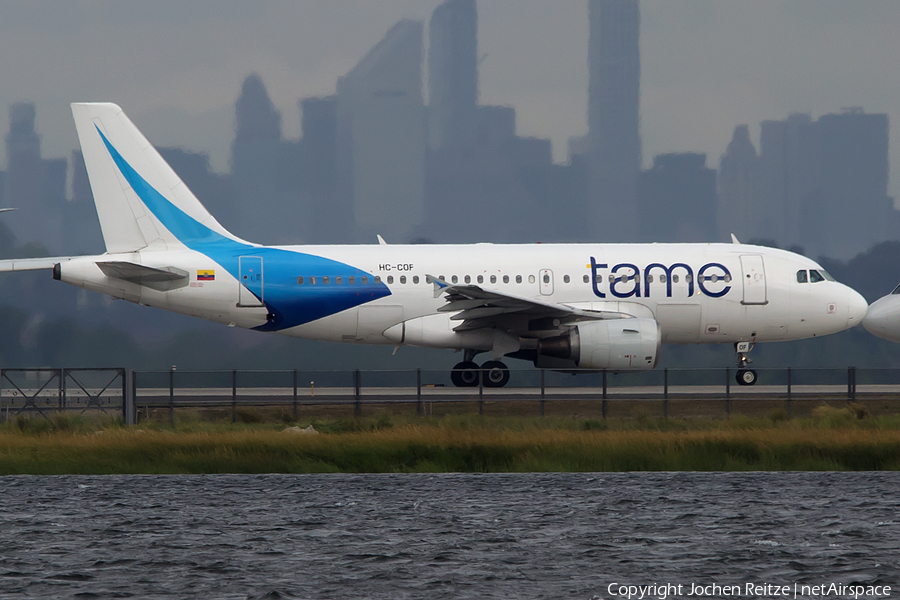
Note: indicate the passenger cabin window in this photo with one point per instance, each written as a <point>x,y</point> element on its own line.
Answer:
<point>454,279</point>
<point>815,276</point>
<point>312,281</point>
<point>801,276</point>
<point>403,279</point>
<point>351,280</point>
<point>365,280</point>
<point>493,279</point>
<point>674,278</point>
<point>531,279</point>
<point>586,279</point>
<point>468,279</point>
<point>481,279</point>
<point>338,280</point>
<point>415,279</point>
<point>546,278</point>
<point>390,279</point>
<point>518,279</point>
<point>506,279</point>
<point>378,279</point>
<point>324,279</point>
<point>565,279</point>
<point>299,281</point>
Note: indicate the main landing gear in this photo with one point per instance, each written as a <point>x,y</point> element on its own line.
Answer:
<point>744,375</point>
<point>469,374</point>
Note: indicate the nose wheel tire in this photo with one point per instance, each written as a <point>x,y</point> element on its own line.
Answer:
<point>465,374</point>
<point>496,374</point>
<point>746,377</point>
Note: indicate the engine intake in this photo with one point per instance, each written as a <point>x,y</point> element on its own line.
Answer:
<point>617,344</point>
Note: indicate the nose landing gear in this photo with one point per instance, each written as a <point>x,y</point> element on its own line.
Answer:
<point>744,375</point>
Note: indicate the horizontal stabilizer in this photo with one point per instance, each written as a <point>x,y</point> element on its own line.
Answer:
<point>31,264</point>
<point>157,278</point>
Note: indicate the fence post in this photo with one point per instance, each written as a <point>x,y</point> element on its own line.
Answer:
<point>172,396</point>
<point>420,409</point>
<point>789,392</point>
<point>851,384</point>
<point>542,392</point>
<point>666,393</point>
<point>234,395</point>
<point>357,407</point>
<point>728,391</point>
<point>481,392</point>
<point>603,401</point>
<point>128,399</point>
<point>295,394</point>
<point>61,396</point>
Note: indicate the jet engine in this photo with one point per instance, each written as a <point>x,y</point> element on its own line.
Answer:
<point>615,344</point>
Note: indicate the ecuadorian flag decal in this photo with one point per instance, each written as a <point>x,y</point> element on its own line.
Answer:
<point>206,275</point>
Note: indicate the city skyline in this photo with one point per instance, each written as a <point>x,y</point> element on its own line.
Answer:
<point>705,67</point>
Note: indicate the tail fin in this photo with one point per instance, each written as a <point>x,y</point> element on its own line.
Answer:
<point>141,202</point>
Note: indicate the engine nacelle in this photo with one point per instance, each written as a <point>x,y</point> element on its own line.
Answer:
<point>615,344</point>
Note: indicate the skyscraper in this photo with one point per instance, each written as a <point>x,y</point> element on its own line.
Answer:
<point>738,198</point>
<point>614,161</point>
<point>453,75</point>
<point>254,166</point>
<point>381,136</point>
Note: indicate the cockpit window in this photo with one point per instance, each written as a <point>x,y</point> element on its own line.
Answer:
<point>801,276</point>
<point>815,276</point>
<point>896,291</point>
<point>826,275</point>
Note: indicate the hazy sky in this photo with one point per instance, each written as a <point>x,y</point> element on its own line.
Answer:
<point>176,66</point>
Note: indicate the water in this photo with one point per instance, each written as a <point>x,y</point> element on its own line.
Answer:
<point>441,536</point>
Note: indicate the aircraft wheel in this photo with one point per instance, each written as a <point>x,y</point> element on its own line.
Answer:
<point>496,374</point>
<point>746,377</point>
<point>465,374</point>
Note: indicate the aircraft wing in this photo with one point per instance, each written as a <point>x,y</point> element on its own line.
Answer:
<point>478,308</point>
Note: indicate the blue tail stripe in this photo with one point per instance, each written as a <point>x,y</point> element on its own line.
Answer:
<point>290,303</point>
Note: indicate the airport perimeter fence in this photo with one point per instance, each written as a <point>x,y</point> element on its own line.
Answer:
<point>134,395</point>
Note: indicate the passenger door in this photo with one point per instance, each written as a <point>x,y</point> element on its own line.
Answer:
<point>250,291</point>
<point>754,279</point>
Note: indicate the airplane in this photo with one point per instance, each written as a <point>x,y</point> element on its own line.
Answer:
<point>560,306</point>
<point>883,317</point>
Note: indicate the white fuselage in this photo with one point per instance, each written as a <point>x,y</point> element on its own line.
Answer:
<point>698,293</point>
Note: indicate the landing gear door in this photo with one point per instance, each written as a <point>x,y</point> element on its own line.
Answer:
<point>546,279</point>
<point>250,289</point>
<point>754,277</point>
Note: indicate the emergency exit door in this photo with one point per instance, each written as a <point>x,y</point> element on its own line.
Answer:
<point>250,291</point>
<point>546,279</point>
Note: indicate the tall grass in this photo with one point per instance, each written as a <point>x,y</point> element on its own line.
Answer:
<point>459,444</point>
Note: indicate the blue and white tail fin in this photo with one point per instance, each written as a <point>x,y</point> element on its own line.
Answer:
<point>142,204</point>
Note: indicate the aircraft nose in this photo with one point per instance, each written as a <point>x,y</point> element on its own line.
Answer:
<point>857,308</point>
<point>883,318</point>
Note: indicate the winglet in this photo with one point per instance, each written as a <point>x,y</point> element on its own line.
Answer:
<point>734,240</point>
<point>380,240</point>
<point>439,286</point>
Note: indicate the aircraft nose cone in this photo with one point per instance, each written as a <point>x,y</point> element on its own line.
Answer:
<point>883,318</point>
<point>857,308</point>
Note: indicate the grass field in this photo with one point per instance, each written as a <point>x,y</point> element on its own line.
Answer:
<point>831,438</point>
